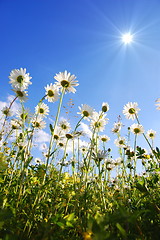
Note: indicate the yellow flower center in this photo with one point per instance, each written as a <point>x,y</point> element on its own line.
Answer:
<point>23,116</point>
<point>69,136</point>
<point>104,109</point>
<point>41,110</point>
<point>19,93</point>
<point>121,142</point>
<point>97,124</point>
<point>136,130</point>
<point>65,83</point>
<point>6,111</point>
<point>56,137</point>
<point>63,126</point>
<point>132,111</point>
<point>85,113</point>
<point>104,139</point>
<point>50,93</point>
<point>20,79</point>
<point>37,124</point>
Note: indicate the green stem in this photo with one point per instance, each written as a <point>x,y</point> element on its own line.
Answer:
<point>135,158</point>
<point>52,135</point>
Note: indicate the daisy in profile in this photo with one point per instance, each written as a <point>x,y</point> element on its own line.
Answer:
<point>19,78</point>
<point>130,110</point>
<point>22,145</point>
<point>64,125</point>
<point>118,161</point>
<point>15,124</point>
<point>22,95</point>
<point>67,81</point>
<point>61,143</point>
<point>98,121</point>
<point>7,111</point>
<point>100,155</point>
<point>151,134</point>
<point>42,109</point>
<point>58,133</point>
<point>38,123</point>
<point>104,138</point>
<point>86,111</point>
<point>137,129</point>
<point>105,107</point>
<point>120,142</point>
<point>117,127</point>
<point>52,93</point>
<point>23,114</point>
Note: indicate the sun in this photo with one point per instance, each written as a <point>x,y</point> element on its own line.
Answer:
<point>127,38</point>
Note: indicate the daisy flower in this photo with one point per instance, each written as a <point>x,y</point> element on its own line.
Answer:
<point>151,134</point>
<point>130,110</point>
<point>109,167</point>
<point>38,161</point>
<point>137,129</point>
<point>7,112</point>
<point>105,107</point>
<point>64,125</point>
<point>118,161</point>
<point>67,81</point>
<point>120,142</point>
<point>117,127</point>
<point>38,123</point>
<point>52,93</point>
<point>84,146</point>
<point>100,155</point>
<point>22,145</point>
<point>58,133</point>
<point>98,121</point>
<point>74,134</point>
<point>108,160</point>
<point>104,138</point>
<point>61,143</point>
<point>15,124</point>
<point>86,111</point>
<point>19,78</point>
<point>23,114</point>
<point>22,95</point>
<point>42,109</point>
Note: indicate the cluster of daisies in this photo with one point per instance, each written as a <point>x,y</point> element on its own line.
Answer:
<point>130,111</point>
<point>20,81</point>
<point>61,132</point>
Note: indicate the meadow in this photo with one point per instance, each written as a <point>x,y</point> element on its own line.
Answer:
<point>77,189</point>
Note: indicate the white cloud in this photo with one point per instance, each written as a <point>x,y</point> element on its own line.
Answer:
<point>41,136</point>
<point>42,147</point>
<point>86,129</point>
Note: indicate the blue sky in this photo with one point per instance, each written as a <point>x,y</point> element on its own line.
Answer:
<point>84,38</point>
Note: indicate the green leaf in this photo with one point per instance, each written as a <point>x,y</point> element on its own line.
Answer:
<point>121,229</point>
<point>51,128</point>
<point>141,187</point>
<point>60,224</point>
<point>69,224</point>
<point>69,217</point>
